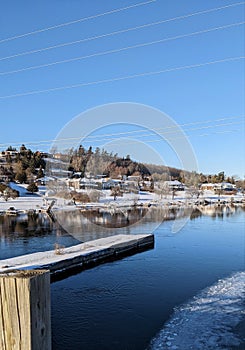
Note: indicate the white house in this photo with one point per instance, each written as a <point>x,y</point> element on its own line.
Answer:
<point>174,185</point>
<point>108,183</point>
<point>4,154</point>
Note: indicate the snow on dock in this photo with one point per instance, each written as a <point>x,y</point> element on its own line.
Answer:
<point>62,260</point>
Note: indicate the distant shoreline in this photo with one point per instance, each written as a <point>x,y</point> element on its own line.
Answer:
<point>40,204</point>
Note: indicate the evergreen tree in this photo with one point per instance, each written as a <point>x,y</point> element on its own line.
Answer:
<point>23,150</point>
<point>32,187</point>
<point>40,173</point>
<point>21,176</point>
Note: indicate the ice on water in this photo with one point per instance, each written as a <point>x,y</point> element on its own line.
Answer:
<point>207,321</point>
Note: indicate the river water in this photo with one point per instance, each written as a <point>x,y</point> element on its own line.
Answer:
<point>142,301</point>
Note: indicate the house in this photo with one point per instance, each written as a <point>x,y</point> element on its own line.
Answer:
<point>135,178</point>
<point>108,183</point>
<point>42,181</point>
<point>6,175</point>
<point>224,187</point>
<point>207,187</point>
<point>227,186</point>
<point>57,155</point>
<point>12,153</point>
<point>174,185</point>
<point>60,173</point>
<point>6,178</point>
<point>74,183</point>
<point>89,184</point>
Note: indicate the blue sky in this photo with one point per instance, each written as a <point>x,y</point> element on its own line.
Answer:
<point>212,96</point>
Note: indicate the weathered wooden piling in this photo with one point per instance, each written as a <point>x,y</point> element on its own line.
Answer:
<point>25,310</point>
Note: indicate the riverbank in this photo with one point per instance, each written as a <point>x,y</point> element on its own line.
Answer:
<point>40,202</point>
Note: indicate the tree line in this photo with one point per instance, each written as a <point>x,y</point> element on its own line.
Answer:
<point>24,166</point>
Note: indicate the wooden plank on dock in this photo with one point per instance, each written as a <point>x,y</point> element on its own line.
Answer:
<point>81,255</point>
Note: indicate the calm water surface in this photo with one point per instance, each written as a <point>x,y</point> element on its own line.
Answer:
<point>123,304</point>
<point>29,234</point>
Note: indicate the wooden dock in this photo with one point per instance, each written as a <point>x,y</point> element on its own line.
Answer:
<point>62,261</point>
<point>25,321</point>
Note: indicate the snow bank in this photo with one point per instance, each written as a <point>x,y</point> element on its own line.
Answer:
<point>206,322</point>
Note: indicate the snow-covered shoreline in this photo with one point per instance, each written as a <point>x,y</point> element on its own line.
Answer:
<point>28,201</point>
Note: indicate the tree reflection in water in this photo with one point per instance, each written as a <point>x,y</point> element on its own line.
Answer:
<point>24,234</point>
<point>25,225</point>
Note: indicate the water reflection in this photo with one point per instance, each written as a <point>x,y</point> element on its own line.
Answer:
<point>97,220</point>
<point>25,225</point>
<point>25,234</point>
<point>220,211</point>
<point>115,219</point>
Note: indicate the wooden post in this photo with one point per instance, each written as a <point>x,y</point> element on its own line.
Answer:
<point>25,310</point>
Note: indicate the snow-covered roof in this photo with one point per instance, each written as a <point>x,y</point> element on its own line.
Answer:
<point>46,178</point>
<point>173,183</point>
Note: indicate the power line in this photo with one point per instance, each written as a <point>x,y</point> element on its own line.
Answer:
<point>122,49</point>
<point>76,21</point>
<point>176,138</point>
<point>159,134</point>
<point>160,131</point>
<point>117,32</point>
<point>133,76</point>
<point>157,140</point>
<point>156,132</point>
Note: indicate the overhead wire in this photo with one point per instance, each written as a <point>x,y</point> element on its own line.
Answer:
<point>76,21</point>
<point>173,138</point>
<point>118,32</point>
<point>123,139</point>
<point>160,134</point>
<point>133,76</point>
<point>108,52</point>
<point>130,76</point>
<point>157,132</point>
